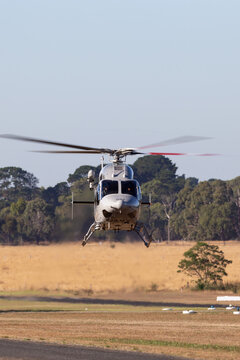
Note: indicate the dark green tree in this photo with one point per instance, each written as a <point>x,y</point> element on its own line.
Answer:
<point>235,186</point>
<point>164,195</point>
<point>79,173</point>
<point>9,228</point>
<point>38,220</point>
<point>205,212</point>
<point>159,167</point>
<point>157,221</point>
<point>16,182</point>
<point>17,210</point>
<point>62,189</point>
<point>218,221</point>
<point>192,182</point>
<point>205,264</point>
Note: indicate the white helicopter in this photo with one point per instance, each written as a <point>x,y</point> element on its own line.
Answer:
<point>117,195</point>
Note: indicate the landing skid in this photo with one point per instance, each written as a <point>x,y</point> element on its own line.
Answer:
<point>142,232</point>
<point>140,229</point>
<point>95,226</point>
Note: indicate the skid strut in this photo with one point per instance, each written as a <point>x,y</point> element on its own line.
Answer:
<point>95,226</point>
<point>142,232</point>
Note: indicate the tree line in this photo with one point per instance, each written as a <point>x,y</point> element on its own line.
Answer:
<point>182,208</point>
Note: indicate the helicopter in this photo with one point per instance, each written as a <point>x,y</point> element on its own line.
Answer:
<point>117,195</point>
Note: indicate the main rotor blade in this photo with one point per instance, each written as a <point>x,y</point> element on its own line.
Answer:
<point>67,152</point>
<point>177,140</point>
<point>29,139</point>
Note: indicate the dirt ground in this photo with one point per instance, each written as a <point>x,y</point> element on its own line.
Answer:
<point>184,296</point>
<point>205,335</point>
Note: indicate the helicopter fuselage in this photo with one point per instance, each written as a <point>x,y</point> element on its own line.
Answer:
<point>117,198</point>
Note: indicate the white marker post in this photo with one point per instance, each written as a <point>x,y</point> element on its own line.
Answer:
<point>230,299</point>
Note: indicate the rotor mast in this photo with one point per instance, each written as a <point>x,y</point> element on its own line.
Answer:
<point>119,156</point>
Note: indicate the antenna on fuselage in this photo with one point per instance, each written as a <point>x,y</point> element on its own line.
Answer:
<point>149,207</point>
<point>102,162</point>
<point>72,205</point>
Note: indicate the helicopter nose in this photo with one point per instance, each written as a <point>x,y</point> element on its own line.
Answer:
<point>117,205</point>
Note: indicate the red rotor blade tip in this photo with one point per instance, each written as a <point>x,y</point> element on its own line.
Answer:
<point>177,154</point>
<point>165,153</point>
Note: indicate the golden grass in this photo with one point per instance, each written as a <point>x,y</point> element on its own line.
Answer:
<point>100,268</point>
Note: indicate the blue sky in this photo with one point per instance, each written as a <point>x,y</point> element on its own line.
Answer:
<point>120,73</point>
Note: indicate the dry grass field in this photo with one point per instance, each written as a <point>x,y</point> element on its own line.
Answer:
<point>100,268</point>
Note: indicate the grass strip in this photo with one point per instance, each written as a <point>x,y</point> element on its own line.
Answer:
<point>229,348</point>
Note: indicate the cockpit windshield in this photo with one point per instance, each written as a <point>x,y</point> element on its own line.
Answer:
<point>129,187</point>
<point>109,187</point>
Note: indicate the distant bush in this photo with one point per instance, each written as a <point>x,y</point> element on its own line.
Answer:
<point>205,264</point>
<point>153,287</point>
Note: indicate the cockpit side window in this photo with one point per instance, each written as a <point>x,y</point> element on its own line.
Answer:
<point>129,187</point>
<point>97,194</point>
<point>109,187</point>
<point>139,192</point>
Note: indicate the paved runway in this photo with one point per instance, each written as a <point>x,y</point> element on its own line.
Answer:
<point>24,350</point>
<point>105,301</point>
